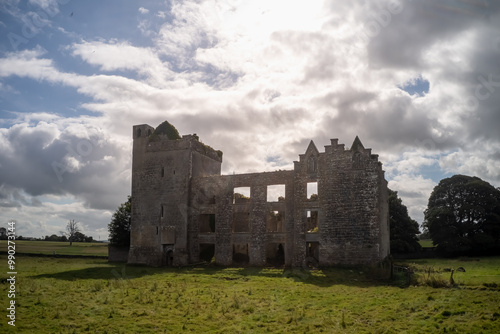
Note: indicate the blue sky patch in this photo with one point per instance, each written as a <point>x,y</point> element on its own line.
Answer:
<point>419,86</point>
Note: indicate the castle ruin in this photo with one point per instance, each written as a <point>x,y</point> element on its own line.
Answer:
<point>184,211</point>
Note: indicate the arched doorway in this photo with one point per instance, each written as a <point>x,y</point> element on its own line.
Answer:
<point>168,256</point>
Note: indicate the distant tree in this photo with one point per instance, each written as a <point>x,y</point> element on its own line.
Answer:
<point>314,197</point>
<point>79,237</point>
<point>55,237</point>
<point>119,227</point>
<point>240,198</point>
<point>71,230</point>
<point>3,233</point>
<point>403,229</point>
<point>463,216</point>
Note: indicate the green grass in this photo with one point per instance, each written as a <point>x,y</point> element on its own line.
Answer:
<point>478,271</point>
<point>57,295</point>
<point>61,248</point>
<point>426,243</point>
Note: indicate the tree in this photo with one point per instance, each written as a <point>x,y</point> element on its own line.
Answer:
<point>404,230</point>
<point>79,237</point>
<point>463,216</point>
<point>71,230</point>
<point>119,227</point>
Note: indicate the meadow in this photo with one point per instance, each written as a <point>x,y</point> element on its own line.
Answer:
<point>59,247</point>
<point>60,295</point>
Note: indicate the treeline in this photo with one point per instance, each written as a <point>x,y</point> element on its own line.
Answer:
<point>78,237</point>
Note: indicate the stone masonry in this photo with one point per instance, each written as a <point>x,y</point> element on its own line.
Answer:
<point>184,211</point>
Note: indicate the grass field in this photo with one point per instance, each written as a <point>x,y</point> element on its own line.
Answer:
<point>426,243</point>
<point>61,248</point>
<point>57,295</point>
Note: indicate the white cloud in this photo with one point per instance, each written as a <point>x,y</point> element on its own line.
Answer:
<point>50,7</point>
<point>258,80</point>
<point>414,190</point>
<point>484,163</point>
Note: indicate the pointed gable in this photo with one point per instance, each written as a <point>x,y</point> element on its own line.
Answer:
<point>357,145</point>
<point>311,149</point>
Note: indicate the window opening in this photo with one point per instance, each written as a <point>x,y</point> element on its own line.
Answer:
<point>241,195</point>
<point>275,221</point>
<point>312,251</point>
<point>312,191</point>
<point>276,193</point>
<point>207,223</point>
<point>312,221</point>
<point>162,171</point>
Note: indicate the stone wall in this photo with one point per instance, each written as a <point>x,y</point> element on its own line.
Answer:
<point>184,211</point>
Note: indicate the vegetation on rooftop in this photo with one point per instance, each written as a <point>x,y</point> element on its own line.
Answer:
<point>167,129</point>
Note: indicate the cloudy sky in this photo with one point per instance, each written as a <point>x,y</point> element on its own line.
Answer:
<point>417,80</point>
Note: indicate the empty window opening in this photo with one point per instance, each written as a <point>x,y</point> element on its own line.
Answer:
<point>241,195</point>
<point>275,254</point>
<point>312,252</point>
<point>275,221</point>
<point>312,221</point>
<point>162,211</point>
<point>207,223</point>
<point>312,191</point>
<point>276,193</point>
<point>241,222</point>
<point>162,171</point>
<point>207,253</point>
<point>139,132</point>
<point>156,230</point>
<point>149,132</point>
<point>240,254</point>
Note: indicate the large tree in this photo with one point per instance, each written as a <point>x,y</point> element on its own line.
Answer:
<point>119,227</point>
<point>463,216</point>
<point>404,230</point>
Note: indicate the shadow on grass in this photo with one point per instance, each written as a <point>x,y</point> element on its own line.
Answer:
<point>322,278</point>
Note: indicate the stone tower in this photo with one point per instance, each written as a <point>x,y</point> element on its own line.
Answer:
<point>162,169</point>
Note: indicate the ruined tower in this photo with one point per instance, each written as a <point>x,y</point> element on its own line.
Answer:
<point>162,168</point>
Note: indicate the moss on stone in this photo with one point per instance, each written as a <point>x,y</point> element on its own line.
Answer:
<point>167,129</point>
